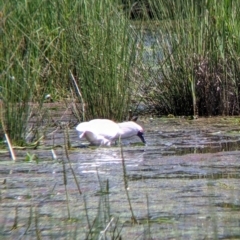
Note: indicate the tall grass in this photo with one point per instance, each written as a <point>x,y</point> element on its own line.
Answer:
<point>28,44</point>
<point>15,81</point>
<point>198,70</point>
<point>186,62</point>
<point>102,57</point>
<point>43,41</point>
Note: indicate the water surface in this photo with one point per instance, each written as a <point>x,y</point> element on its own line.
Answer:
<point>183,185</point>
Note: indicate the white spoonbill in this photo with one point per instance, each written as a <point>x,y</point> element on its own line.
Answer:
<point>130,129</point>
<point>104,131</point>
<point>99,131</point>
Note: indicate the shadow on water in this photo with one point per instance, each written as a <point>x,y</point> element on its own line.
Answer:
<point>183,185</point>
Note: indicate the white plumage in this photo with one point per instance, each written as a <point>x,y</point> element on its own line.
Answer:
<point>105,131</point>
<point>130,129</point>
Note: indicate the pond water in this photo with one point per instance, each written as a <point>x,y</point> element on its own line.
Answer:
<point>183,185</point>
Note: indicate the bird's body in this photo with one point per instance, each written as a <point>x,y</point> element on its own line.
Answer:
<point>129,129</point>
<point>99,131</point>
<point>105,131</point>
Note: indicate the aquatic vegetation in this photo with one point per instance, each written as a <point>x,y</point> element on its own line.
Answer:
<point>191,51</point>
<point>179,58</point>
<point>102,58</point>
<point>44,45</point>
<point>185,184</point>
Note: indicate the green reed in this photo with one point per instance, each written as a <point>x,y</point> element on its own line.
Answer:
<point>42,42</point>
<point>24,64</point>
<point>197,72</point>
<point>102,57</point>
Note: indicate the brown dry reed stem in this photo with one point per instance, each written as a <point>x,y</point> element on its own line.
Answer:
<point>30,218</point>
<point>79,95</point>
<point>69,162</point>
<point>86,211</point>
<point>38,231</point>
<point>67,138</point>
<point>91,230</point>
<point>133,218</point>
<point>15,223</point>
<point>115,230</point>
<point>65,186</point>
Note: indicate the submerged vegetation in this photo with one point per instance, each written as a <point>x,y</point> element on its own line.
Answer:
<point>165,57</point>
